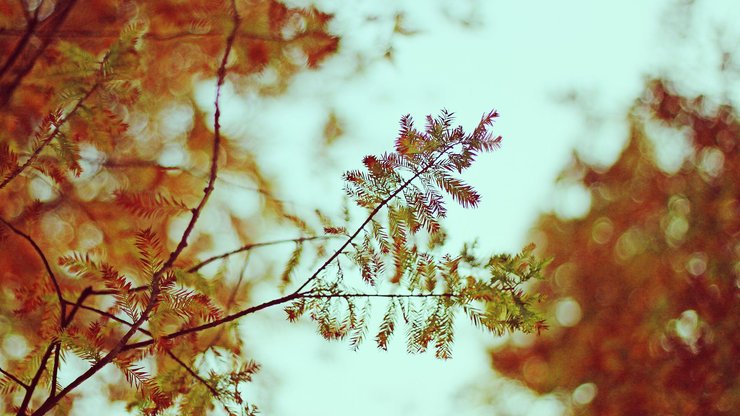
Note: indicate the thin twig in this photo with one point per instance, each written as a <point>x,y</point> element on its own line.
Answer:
<point>35,380</point>
<point>14,378</point>
<point>194,374</point>
<point>85,293</point>
<point>250,246</point>
<point>116,291</point>
<point>47,266</point>
<point>27,33</point>
<point>278,301</point>
<point>219,322</point>
<point>55,370</point>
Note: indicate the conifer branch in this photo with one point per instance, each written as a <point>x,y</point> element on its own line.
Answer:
<point>14,378</point>
<point>169,353</point>
<point>47,266</point>
<point>49,137</point>
<point>155,288</point>
<point>250,246</point>
<point>219,322</point>
<point>297,294</point>
<point>372,214</point>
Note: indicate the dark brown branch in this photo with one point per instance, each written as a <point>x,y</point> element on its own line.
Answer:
<point>115,291</point>
<point>35,380</point>
<point>194,374</point>
<point>47,266</point>
<point>219,322</point>
<point>14,378</point>
<point>52,400</point>
<point>114,318</point>
<point>170,353</point>
<point>55,370</point>
<point>250,246</point>
<point>278,301</point>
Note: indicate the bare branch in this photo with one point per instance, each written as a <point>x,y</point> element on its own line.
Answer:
<point>194,374</point>
<point>250,246</point>
<point>14,378</point>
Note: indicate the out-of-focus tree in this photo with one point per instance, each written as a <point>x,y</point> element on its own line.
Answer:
<point>644,294</point>
<point>110,170</point>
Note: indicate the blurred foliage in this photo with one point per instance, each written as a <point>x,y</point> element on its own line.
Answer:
<point>644,294</point>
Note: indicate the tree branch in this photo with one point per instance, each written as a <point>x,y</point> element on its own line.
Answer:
<point>14,378</point>
<point>219,322</point>
<point>194,374</point>
<point>35,380</point>
<point>250,246</point>
<point>297,293</point>
<point>47,266</point>
<point>370,216</point>
<point>49,137</point>
<point>170,353</point>
<point>55,370</point>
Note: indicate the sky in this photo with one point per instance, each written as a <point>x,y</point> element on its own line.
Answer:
<point>522,58</point>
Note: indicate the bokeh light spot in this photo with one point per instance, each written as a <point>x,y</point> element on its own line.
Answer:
<point>15,346</point>
<point>568,312</point>
<point>602,230</point>
<point>697,264</point>
<point>584,393</point>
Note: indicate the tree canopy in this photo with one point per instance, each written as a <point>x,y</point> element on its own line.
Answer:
<point>644,287</point>
<point>111,175</point>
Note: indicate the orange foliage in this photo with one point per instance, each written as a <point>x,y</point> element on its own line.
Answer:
<point>653,269</point>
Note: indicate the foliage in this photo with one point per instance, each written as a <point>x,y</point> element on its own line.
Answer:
<point>104,246</point>
<point>652,268</point>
